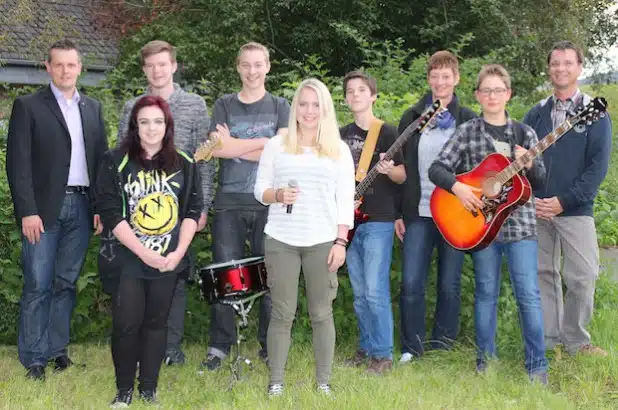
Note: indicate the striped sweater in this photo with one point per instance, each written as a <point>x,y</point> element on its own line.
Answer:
<point>326,197</point>
<point>191,122</point>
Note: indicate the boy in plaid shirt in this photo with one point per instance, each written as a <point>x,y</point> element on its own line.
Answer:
<point>471,143</point>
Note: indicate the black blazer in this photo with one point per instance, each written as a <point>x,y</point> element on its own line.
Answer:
<point>39,153</point>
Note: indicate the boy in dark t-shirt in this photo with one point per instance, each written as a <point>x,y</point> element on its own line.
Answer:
<point>370,252</point>
<point>495,131</point>
<point>244,122</point>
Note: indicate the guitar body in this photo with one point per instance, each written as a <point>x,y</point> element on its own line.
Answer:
<point>359,218</point>
<point>468,231</point>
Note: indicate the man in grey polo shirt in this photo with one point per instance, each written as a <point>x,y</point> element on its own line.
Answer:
<point>191,124</point>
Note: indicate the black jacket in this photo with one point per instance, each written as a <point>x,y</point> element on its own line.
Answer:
<point>412,186</point>
<point>39,153</point>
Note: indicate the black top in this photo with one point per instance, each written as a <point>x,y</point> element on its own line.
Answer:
<point>411,192</point>
<point>381,199</point>
<point>497,132</point>
<point>153,202</point>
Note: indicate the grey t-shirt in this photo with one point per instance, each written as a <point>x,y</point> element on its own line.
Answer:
<point>256,120</point>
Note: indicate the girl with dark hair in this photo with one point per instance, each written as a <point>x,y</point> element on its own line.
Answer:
<point>147,194</point>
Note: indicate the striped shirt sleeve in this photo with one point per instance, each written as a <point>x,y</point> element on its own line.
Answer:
<point>344,194</point>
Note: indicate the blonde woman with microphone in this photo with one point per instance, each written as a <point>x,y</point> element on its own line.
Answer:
<point>311,169</point>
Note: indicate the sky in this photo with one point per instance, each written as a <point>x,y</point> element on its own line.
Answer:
<point>612,55</point>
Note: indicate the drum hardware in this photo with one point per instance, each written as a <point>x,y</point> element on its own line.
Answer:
<point>242,308</point>
<point>238,283</point>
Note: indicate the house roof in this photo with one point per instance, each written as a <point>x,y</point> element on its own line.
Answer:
<point>31,26</point>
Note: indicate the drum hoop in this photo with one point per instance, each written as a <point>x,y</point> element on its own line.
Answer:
<point>235,263</point>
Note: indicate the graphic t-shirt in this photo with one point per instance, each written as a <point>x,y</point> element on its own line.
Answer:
<point>152,198</point>
<point>501,143</point>
<point>256,120</point>
<point>380,200</point>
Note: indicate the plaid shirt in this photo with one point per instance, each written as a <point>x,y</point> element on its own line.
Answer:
<point>470,144</point>
<point>561,109</point>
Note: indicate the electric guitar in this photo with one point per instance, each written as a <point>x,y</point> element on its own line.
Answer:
<point>417,126</point>
<point>205,150</point>
<point>503,189</point>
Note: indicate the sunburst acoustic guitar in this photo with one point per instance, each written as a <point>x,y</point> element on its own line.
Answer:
<point>502,186</point>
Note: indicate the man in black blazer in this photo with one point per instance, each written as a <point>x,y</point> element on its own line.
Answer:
<point>55,143</point>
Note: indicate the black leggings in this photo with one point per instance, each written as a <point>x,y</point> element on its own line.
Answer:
<point>140,310</point>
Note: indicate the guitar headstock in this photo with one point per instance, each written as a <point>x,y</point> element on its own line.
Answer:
<point>204,151</point>
<point>430,115</point>
<point>594,110</point>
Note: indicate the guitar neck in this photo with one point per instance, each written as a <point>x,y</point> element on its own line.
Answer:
<point>516,166</point>
<point>388,155</point>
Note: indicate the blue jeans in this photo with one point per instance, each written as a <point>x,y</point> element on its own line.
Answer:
<point>522,262</point>
<point>51,268</point>
<point>421,237</point>
<point>369,267</point>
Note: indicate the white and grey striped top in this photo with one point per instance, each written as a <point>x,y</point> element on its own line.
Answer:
<point>326,197</point>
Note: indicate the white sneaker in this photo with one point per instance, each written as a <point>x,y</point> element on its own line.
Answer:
<point>275,389</point>
<point>406,358</point>
<point>324,389</point>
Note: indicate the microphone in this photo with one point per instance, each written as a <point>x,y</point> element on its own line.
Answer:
<point>292,183</point>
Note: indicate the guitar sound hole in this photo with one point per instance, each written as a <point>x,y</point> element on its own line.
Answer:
<point>491,187</point>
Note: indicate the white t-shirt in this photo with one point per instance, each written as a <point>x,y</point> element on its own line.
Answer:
<point>326,197</point>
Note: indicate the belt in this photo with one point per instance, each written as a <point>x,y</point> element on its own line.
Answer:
<point>71,189</point>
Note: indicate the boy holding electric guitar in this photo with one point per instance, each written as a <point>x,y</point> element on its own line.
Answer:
<point>370,251</point>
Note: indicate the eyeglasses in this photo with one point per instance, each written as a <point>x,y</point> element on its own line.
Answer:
<point>498,92</point>
<point>567,64</point>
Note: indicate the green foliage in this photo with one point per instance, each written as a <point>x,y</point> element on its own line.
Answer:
<point>517,34</point>
<point>402,81</point>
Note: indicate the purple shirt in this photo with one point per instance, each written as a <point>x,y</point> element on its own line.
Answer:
<point>78,170</point>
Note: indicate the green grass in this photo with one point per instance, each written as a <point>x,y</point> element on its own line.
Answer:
<point>440,380</point>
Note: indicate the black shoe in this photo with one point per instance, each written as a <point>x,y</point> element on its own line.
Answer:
<point>123,399</point>
<point>62,363</point>
<point>481,366</point>
<point>148,396</point>
<point>263,355</point>
<point>36,372</point>
<point>211,363</point>
<point>173,357</point>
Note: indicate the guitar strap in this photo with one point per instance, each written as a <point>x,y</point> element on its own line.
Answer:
<point>368,149</point>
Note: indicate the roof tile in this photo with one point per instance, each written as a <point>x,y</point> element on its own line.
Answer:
<point>29,39</point>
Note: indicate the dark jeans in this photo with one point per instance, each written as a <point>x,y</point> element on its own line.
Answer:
<point>51,268</point>
<point>421,237</point>
<point>230,230</point>
<point>140,310</point>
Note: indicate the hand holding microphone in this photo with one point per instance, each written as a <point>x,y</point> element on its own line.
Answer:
<point>288,195</point>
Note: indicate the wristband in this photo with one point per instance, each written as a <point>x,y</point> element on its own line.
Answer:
<point>341,241</point>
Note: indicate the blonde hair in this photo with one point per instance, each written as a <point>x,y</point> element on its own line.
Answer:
<point>253,46</point>
<point>494,70</point>
<point>328,139</point>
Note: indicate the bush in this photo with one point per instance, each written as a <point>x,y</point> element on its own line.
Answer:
<point>402,83</point>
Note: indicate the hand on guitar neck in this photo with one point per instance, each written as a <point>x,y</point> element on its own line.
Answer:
<point>521,151</point>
